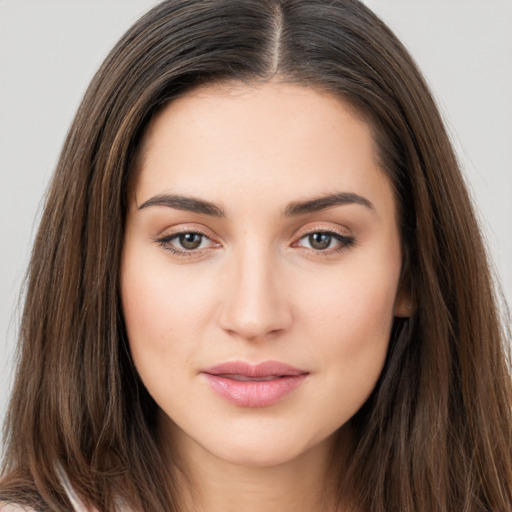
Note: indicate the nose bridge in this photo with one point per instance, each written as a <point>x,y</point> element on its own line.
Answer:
<point>255,303</point>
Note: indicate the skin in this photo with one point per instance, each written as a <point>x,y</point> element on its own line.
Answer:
<point>256,288</point>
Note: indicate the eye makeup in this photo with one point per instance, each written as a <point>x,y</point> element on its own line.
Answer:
<point>318,240</point>
<point>187,243</point>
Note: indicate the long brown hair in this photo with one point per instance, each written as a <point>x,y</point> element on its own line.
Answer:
<point>435,435</point>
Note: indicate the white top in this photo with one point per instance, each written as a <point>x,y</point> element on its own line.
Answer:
<point>77,504</point>
<point>14,508</point>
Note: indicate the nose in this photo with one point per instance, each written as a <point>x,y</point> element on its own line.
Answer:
<point>255,304</point>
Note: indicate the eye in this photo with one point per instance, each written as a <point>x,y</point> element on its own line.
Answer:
<point>190,241</point>
<point>320,241</point>
<point>325,241</point>
<point>186,243</point>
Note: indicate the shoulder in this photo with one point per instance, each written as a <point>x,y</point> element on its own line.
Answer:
<point>11,507</point>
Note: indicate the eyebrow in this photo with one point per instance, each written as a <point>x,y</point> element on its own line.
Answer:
<point>297,208</point>
<point>293,209</point>
<point>189,204</point>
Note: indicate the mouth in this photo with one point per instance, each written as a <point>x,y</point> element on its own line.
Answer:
<point>244,378</point>
<point>247,385</point>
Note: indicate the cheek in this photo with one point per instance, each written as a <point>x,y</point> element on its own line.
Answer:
<point>147,311</point>
<point>357,326</point>
<point>166,310</point>
<point>161,332</point>
<point>160,305</point>
<point>153,314</point>
<point>357,303</point>
<point>350,322</point>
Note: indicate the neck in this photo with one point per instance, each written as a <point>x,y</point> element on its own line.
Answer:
<point>305,484</point>
<point>301,485</point>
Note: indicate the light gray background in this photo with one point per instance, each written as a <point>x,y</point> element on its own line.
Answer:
<point>49,50</point>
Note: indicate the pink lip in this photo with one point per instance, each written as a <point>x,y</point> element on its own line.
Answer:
<point>270,382</point>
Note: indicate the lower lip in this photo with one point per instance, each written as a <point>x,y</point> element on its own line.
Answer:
<point>254,393</point>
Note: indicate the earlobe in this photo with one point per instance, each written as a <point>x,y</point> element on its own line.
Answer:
<point>403,305</point>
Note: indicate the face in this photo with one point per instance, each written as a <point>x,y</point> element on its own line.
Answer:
<point>260,270</point>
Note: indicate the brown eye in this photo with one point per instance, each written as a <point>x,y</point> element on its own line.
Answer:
<point>319,241</point>
<point>190,241</point>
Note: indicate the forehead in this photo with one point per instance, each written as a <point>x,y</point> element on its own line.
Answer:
<point>274,140</point>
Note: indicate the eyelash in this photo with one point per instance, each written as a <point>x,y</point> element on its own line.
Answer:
<point>344,241</point>
<point>166,240</point>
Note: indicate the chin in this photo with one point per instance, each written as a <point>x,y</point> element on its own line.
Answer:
<point>266,448</point>
<point>257,456</point>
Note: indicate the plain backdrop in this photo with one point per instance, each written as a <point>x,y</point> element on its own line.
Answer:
<point>49,50</point>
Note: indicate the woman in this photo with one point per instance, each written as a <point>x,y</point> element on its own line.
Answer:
<point>258,282</point>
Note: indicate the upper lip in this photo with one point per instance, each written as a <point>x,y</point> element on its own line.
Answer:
<point>264,369</point>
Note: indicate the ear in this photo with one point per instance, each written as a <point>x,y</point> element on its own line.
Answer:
<point>403,303</point>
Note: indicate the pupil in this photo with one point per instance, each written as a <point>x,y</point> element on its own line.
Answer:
<point>190,240</point>
<point>320,241</point>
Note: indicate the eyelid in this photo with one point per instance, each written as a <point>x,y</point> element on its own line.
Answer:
<point>322,228</point>
<point>191,227</point>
